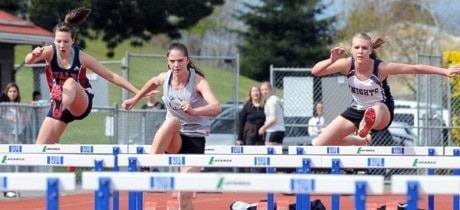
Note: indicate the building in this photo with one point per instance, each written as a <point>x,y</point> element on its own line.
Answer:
<point>14,31</point>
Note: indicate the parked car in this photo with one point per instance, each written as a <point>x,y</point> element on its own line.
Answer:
<point>223,129</point>
<point>223,132</point>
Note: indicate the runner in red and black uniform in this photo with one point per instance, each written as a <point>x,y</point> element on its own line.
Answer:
<point>66,65</point>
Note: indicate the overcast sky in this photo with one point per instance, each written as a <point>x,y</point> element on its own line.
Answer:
<point>447,11</point>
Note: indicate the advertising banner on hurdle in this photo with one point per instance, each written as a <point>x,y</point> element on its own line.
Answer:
<point>212,182</point>
<point>62,148</point>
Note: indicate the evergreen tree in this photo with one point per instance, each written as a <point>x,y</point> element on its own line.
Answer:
<point>117,21</point>
<point>285,33</point>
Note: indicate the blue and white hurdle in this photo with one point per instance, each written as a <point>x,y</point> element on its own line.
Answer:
<point>52,183</point>
<point>302,158</point>
<point>412,186</point>
<point>104,182</point>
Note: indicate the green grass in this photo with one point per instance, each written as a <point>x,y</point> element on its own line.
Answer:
<point>91,129</point>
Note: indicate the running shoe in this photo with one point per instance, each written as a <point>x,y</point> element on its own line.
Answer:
<point>56,100</point>
<point>368,121</point>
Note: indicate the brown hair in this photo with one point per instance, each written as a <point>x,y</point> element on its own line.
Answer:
<point>13,85</point>
<point>72,18</point>
<point>183,48</point>
<point>375,42</point>
<point>249,98</point>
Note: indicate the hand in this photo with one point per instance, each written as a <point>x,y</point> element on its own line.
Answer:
<point>153,92</point>
<point>185,107</point>
<point>37,51</point>
<point>453,71</point>
<point>239,143</point>
<point>261,131</point>
<point>128,104</point>
<point>336,53</point>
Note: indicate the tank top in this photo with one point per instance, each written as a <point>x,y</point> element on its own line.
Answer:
<point>57,75</point>
<point>196,126</point>
<point>367,93</point>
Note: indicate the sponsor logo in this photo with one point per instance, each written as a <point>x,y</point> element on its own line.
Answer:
<point>86,149</point>
<point>418,162</point>
<point>176,161</point>
<point>5,159</point>
<point>375,162</point>
<point>46,148</point>
<point>303,185</point>
<point>213,160</point>
<point>397,150</point>
<point>333,150</point>
<point>15,148</point>
<point>162,183</point>
<point>221,183</point>
<point>261,161</point>
<point>55,160</point>
<point>360,150</point>
<point>237,150</point>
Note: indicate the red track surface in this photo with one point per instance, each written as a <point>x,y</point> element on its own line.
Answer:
<point>207,201</point>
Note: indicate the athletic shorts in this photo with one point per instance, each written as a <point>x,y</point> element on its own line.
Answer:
<point>67,117</point>
<point>356,116</point>
<point>274,136</point>
<point>192,145</point>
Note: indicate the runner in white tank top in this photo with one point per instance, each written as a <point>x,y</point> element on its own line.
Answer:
<point>372,106</point>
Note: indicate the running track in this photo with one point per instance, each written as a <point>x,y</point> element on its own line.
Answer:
<point>206,201</point>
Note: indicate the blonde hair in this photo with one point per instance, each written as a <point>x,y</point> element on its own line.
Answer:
<point>376,42</point>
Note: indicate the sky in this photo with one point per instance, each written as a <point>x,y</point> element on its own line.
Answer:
<point>447,11</point>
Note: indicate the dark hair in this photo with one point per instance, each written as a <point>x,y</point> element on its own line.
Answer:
<point>183,48</point>
<point>35,94</point>
<point>72,18</point>
<point>315,113</point>
<point>13,85</point>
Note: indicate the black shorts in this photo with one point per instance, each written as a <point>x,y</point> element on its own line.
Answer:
<point>192,145</point>
<point>67,117</point>
<point>355,116</point>
<point>275,137</point>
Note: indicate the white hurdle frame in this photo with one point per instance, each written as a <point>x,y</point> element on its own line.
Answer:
<point>317,157</point>
<point>52,183</point>
<point>104,182</point>
<point>412,186</point>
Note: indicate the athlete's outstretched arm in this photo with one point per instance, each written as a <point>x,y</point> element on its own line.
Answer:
<point>95,66</point>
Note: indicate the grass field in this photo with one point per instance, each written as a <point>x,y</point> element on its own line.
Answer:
<point>91,130</point>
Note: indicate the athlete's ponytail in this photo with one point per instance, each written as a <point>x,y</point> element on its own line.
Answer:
<point>72,18</point>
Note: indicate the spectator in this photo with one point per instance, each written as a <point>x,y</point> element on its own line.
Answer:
<point>13,114</point>
<point>37,99</point>
<point>15,134</point>
<point>251,119</point>
<point>273,128</point>
<point>316,123</point>
<point>153,104</point>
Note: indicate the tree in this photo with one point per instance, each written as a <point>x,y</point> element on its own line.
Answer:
<point>283,33</point>
<point>117,21</point>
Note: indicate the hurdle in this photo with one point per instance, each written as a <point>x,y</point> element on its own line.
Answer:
<point>412,186</point>
<point>60,155</point>
<point>104,182</point>
<point>221,150</point>
<point>49,182</point>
